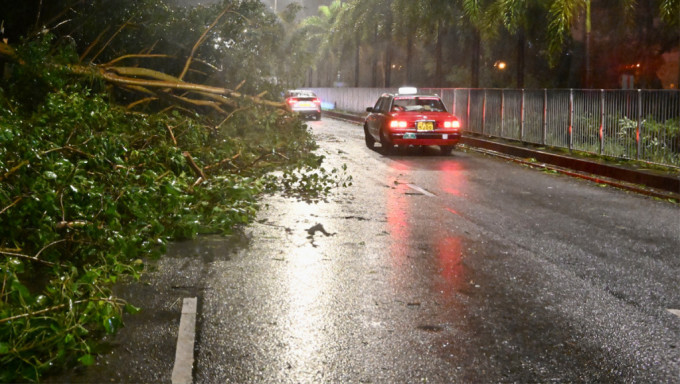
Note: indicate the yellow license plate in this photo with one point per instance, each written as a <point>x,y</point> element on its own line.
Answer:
<point>305,104</point>
<point>425,126</point>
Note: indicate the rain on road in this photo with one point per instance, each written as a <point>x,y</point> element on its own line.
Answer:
<point>429,268</point>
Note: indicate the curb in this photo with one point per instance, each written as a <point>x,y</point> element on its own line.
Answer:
<point>663,186</point>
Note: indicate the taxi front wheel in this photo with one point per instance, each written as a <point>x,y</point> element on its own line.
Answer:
<point>385,143</point>
<point>370,141</point>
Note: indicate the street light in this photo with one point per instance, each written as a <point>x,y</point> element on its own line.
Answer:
<point>500,65</point>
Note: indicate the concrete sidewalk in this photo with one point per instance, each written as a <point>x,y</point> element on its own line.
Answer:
<point>632,177</point>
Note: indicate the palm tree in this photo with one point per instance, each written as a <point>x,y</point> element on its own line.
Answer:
<point>562,16</point>
<point>369,20</point>
<point>408,16</point>
<point>670,13</point>
<point>319,30</point>
<point>516,16</point>
<point>474,11</point>
<point>379,25</point>
<point>353,28</point>
<point>438,15</point>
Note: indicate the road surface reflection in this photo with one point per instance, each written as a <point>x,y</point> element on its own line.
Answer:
<point>410,244</point>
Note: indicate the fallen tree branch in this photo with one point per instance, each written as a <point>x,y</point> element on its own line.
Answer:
<point>137,56</point>
<point>60,306</point>
<point>240,85</point>
<point>13,170</point>
<point>197,182</point>
<point>200,41</point>
<point>194,167</point>
<point>145,80</point>
<point>140,101</point>
<point>68,148</point>
<point>15,202</point>
<point>222,162</point>
<point>92,45</point>
<point>26,257</point>
<point>172,135</point>
<point>125,24</point>
<point>229,116</point>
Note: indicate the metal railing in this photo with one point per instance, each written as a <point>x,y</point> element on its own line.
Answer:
<point>628,124</point>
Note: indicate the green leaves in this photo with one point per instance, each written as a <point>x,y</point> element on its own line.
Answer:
<point>89,190</point>
<point>86,360</point>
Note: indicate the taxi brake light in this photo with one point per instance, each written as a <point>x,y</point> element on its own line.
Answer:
<point>292,101</point>
<point>317,101</point>
<point>398,124</point>
<point>452,124</point>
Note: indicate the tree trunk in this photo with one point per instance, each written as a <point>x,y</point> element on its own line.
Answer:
<point>521,43</point>
<point>474,64</point>
<point>587,48</point>
<point>388,65</point>
<point>438,80</point>
<point>409,59</point>
<point>388,51</point>
<point>357,61</point>
<point>374,68</point>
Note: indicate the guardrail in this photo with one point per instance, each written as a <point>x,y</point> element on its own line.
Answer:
<point>639,125</point>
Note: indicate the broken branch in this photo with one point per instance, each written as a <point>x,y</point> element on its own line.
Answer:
<point>200,41</point>
<point>194,167</point>
<point>15,202</point>
<point>172,135</point>
<point>125,24</point>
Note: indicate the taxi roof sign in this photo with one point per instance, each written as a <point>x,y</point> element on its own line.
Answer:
<point>408,90</point>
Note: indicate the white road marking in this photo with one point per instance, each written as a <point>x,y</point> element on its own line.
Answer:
<point>676,312</point>
<point>421,190</point>
<point>184,354</point>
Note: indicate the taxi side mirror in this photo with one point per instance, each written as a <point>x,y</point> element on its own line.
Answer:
<point>369,109</point>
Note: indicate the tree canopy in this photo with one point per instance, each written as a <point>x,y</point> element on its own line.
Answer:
<point>553,43</point>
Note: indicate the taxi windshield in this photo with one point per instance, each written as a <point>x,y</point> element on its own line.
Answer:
<point>417,104</point>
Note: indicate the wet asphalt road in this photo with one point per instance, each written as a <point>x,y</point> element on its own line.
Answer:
<point>445,269</point>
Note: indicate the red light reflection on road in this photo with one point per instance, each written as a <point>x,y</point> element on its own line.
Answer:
<point>403,210</point>
<point>452,211</point>
<point>451,177</point>
<point>449,256</point>
<point>397,222</point>
<point>452,181</point>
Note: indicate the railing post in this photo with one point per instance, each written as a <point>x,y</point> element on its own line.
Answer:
<point>638,144</point>
<point>602,122</point>
<point>484,113</point>
<point>502,111</point>
<point>453,108</point>
<point>545,117</point>
<point>521,118</point>
<point>570,142</point>
<point>467,122</point>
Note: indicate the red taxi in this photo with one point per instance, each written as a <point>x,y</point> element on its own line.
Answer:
<point>303,102</point>
<point>409,118</point>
